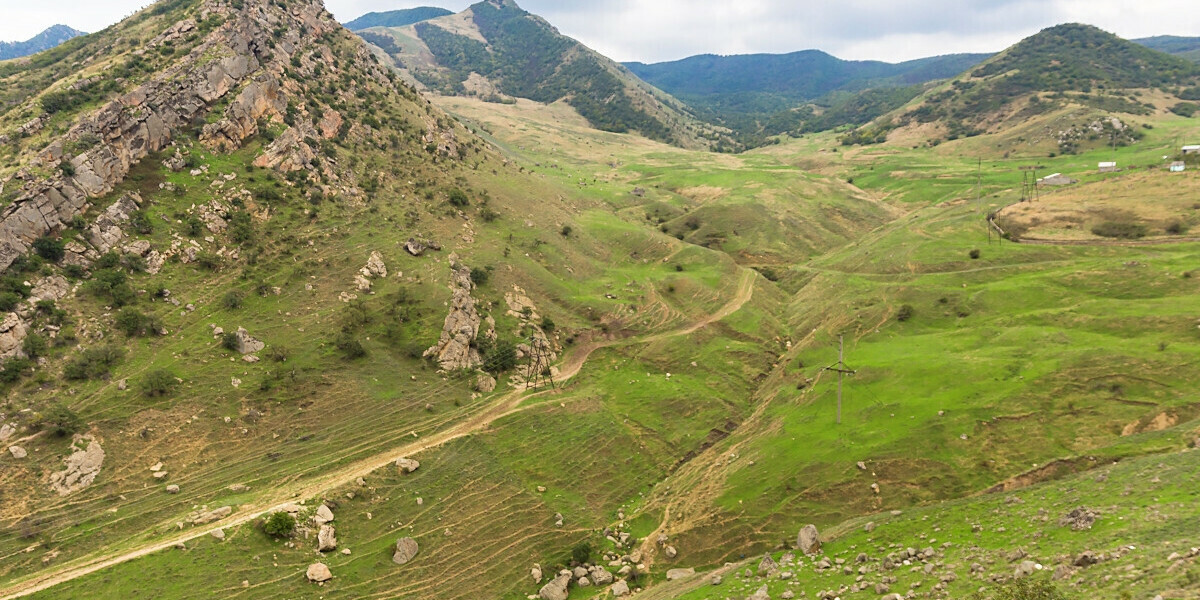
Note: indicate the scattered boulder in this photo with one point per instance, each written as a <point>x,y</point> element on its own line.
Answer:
<point>215,514</point>
<point>600,576</point>
<point>1079,519</point>
<point>7,431</point>
<point>674,574</point>
<point>671,552</point>
<point>761,594</point>
<point>82,466</point>
<point>407,465</point>
<point>809,540</point>
<point>556,589</point>
<point>485,383</point>
<point>218,533</point>
<point>536,573</point>
<point>318,573</point>
<point>172,489</point>
<point>375,266</point>
<point>323,516</point>
<point>406,549</point>
<point>247,344</point>
<point>619,589</point>
<point>767,567</point>
<point>326,539</point>
<point>17,452</point>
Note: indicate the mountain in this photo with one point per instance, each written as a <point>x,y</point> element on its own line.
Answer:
<point>1184,47</point>
<point>396,18</point>
<point>763,95</point>
<point>799,76</point>
<point>497,51</point>
<point>51,37</point>
<point>1065,65</point>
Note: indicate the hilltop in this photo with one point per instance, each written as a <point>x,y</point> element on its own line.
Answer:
<point>497,51</point>
<point>1184,47</point>
<point>51,37</point>
<point>396,18</point>
<point>1070,65</point>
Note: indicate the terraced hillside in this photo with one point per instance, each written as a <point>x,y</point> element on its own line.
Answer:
<point>293,329</point>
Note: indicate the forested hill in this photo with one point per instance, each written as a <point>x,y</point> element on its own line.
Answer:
<point>396,18</point>
<point>805,75</point>
<point>51,37</point>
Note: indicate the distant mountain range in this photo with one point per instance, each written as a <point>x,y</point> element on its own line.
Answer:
<point>51,37</point>
<point>396,18</point>
<point>1185,47</point>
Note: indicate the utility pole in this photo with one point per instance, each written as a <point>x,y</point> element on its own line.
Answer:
<point>538,363</point>
<point>841,370</point>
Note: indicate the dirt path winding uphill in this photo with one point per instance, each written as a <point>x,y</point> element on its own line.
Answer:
<point>507,404</point>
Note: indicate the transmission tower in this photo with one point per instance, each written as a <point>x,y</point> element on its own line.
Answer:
<point>842,370</point>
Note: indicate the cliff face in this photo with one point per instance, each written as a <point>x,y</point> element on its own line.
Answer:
<point>251,51</point>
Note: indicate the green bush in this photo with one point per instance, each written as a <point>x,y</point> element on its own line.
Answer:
<point>9,301</point>
<point>35,345</point>
<point>159,382</point>
<point>350,347</point>
<point>61,420</point>
<point>459,198</point>
<point>92,363</point>
<point>133,323</point>
<point>280,524</point>
<point>498,357</point>
<point>905,313</point>
<point>233,299</point>
<point>581,553</point>
<point>480,276</point>
<point>1023,589</point>
<point>49,248</point>
<point>14,368</point>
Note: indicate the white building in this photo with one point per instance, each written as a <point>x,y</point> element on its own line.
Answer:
<point>1191,149</point>
<point>1108,167</point>
<point>1178,167</point>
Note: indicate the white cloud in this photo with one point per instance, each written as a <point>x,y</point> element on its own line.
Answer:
<point>658,30</point>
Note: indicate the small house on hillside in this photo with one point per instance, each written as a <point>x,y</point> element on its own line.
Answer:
<point>1108,167</point>
<point>1057,179</point>
<point>1178,167</point>
<point>1191,149</point>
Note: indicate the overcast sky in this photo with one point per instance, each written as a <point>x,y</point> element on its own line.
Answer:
<point>657,30</point>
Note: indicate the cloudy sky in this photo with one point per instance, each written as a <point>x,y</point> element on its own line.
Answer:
<point>657,30</point>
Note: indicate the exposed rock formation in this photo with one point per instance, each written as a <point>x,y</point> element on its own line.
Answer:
<point>556,589</point>
<point>247,344</point>
<point>82,466</point>
<point>12,333</point>
<point>326,539</point>
<point>454,351</point>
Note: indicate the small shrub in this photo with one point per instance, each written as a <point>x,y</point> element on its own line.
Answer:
<point>1177,228</point>
<point>547,324</point>
<point>581,553</point>
<point>135,324</point>
<point>61,420</point>
<point>350,347</point>
<point>233,300</point>
<point>280,525</point>
<point>229,341</point>
<point>566,231</point>
<point>975,254</point>
<point>159,382</point>
<point>905,313</point>
<point>51,249</point>
<point>93,363</point>
<point>480,276</point>
<point>9,301</point>
<point>35,345</point>
<point>459,198</point>
<point>1023,589</point>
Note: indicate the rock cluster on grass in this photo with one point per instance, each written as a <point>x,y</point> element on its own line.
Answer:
<point>406,550</point>
<point>82,466</point>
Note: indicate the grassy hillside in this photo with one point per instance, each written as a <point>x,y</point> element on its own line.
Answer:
<point>396,18</point>
<point>1184,47</point>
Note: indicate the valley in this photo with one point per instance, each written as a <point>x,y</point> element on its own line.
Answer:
<point>270,270</point>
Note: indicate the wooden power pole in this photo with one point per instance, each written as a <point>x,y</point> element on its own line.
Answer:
<point>842,370</point>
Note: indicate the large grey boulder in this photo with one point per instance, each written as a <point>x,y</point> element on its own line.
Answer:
<point>406,549</point>
<point>556,589</point>
<point>326,539</point>
<point>674,574</point>
<point>619,589</point>
<point>318,573</point>
<point>809,540</point>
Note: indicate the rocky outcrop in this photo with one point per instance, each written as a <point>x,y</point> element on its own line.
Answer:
<point>82,466</point>
<point>407,465</point>
<point>146,118</point>
<point>12,333</point>
<point>107,232</point>
<point>454,350</point>
<point>406,550</point>
<point>261,98</point>
<point>289,152</point>
<point>674,574</point>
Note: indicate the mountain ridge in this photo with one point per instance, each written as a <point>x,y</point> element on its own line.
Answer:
<point>396,18</point>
